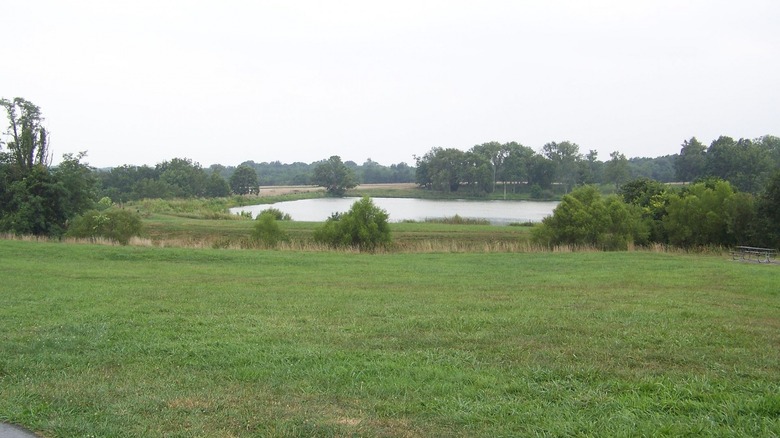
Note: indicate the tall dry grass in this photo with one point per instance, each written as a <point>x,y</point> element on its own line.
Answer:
<point>405,247</point>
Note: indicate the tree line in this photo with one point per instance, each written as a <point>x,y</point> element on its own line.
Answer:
<point>747,164</point>
<point>737,184</point>
<point>181,177</point>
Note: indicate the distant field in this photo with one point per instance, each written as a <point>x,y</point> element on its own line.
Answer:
<point>133,341</point>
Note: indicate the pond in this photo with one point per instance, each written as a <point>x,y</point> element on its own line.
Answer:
<point>402,209</point>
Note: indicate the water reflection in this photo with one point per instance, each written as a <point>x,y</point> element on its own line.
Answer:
<point>401,209</point>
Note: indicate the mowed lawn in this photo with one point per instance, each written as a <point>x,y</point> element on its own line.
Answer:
<point>122,341</point>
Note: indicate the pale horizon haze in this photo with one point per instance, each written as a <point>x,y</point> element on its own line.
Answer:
<point>298,81</point>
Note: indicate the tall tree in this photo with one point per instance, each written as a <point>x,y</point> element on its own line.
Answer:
<point>442,169</point>
<point>334,175</point>
<point>495,153</point>
<point>689,165</point>
<point>35,199</point>
<point>517,163</point>
<point>187,178</point>
<point>616,169</point>
<point>244,180</point>
<point>29,140</point>
<point>744,163</point>
<point>565,156</point>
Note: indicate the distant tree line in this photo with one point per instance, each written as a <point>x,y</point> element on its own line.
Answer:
<point>183,178</point>
<point>747,164</point>
<point>557,168</point>
<point>485,167</point>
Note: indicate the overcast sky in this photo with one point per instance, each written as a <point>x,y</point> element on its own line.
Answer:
<point>140,82</point>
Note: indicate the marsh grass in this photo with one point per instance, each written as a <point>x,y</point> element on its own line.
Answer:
<point>134,341</point>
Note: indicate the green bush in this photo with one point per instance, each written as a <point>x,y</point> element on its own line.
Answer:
<point>118,225</point>
<point>278,214</point>
<point>267,230</point>
<point>364,226</point>
<point>585,218</point>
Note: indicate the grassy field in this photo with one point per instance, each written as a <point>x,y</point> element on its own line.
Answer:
<point>133,341</point>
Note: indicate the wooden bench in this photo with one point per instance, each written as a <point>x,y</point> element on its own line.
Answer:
<point>752,253</point>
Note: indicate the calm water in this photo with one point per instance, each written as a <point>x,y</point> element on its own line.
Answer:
<point>401,209</point>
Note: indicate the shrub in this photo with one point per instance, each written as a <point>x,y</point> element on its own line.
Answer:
<point>277,214</point>
<point>364,226</point>
<point>118,225</point>
<point>267,230</point>
<point>585,218</point>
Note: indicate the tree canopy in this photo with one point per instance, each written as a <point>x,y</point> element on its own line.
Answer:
<point>34,197</point>
<point>334,175</point>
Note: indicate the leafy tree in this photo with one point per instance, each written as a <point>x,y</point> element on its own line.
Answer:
<point>372,172</point>
<point>364,226</point>
<point>495,153</point>
<point>216,186</point>
<point>659,168</point>
<point>149,188</point>
<point>565,156</point>
<point>616,169</point>
<point>541,171</point>
<point>244,181</point>
<point>591,168</point>
<point>516,164</point>
<point>121,183</point>
<point>477,172</point>
<point>79,182</point>
<point>187,179</point>
<point>115,224</point>
<point>442,169</point>
<point>690,163</point>
<point>29,140</point>
<point>35,199</point>
<point>35,204</point>
<point>585,218</point>
<point>701,215</point>
<point>744,163</point>
<point>401,173</point>
<point>334,175</point>
<point>652,198</point>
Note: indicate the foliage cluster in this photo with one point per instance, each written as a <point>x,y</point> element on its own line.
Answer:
<point>114,224</point>
<point>334,175</point>
<point>177,178</point>
<point>705,213</point>
<point>266,230</point>
<point>276,173</point>
<point>244,181</point>
<point>746,164</point>
<point>585,218</point>
<point>365,226</point>
<point>481,168</point>
<point>36,198</point>
<point>277,214</point>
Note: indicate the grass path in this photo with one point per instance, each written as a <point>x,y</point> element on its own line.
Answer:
<point>122,341</point>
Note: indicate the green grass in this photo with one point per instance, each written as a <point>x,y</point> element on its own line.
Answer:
<point>129,341</point>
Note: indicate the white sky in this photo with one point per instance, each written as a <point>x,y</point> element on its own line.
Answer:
<point>140,82</point>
